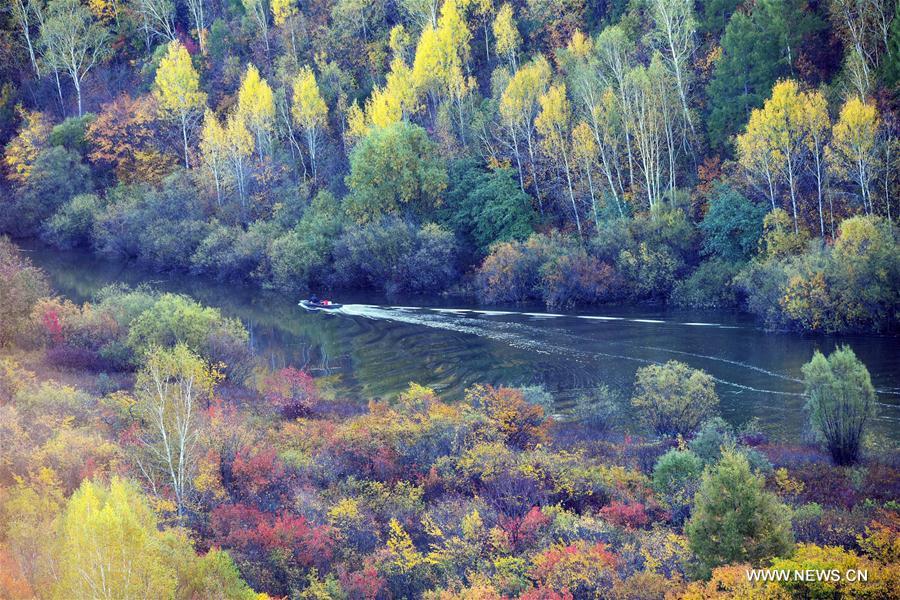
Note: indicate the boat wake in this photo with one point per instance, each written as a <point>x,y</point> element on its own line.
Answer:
<point>534,339</point>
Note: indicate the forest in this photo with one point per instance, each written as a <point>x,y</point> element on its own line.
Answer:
<point>726,153</point>
<point>730,154</point>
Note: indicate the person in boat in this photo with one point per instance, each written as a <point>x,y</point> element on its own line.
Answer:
<point>314,299</point>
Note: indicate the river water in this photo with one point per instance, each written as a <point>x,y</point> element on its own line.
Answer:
<point>374,347</point>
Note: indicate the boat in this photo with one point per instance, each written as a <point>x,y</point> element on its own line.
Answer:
<point>326,305</point>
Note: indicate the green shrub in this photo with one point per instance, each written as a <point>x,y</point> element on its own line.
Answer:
<point>840,401</point>
<point>710,286</point>
<point>735,519</point>
<point>673,399</point>
<point>21,286</point>
<point>174,319</point>
<point>72,224</point>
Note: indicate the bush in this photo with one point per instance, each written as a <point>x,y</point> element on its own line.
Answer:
<point>301,257</point>
<point>174,319</point>
<point>598,409</point>
<point>732,226</point>
<point>395,170</point>
<point>673,399</point>
<point>676,478</point>
<point>73,223</point>
<point>21,286</point>
<point>714,435</point>
<point>553,268</point>
<point>710,286</point>
<point>395,256</point>
<point>841,400</point>
<point>56,176</point>
<point>735,519</point>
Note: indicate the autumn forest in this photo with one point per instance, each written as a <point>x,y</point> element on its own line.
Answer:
<point>729,155</point>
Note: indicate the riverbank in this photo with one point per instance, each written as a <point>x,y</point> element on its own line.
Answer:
<point>376,348</point>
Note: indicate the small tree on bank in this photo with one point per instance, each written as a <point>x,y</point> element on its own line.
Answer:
<point>735,519</point>
<point>673,399</point>
<point>840,401</point>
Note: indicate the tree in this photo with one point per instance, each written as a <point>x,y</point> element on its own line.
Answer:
<point>214,150</point>
<point>259,10</point>
<point>519,105</point>
<point>673,399</point>
<point>283,14</point>
<point>675,27</point>
<point>394,168</point>
<point>853,149</point>
<point>169,391</point>
<point>309,111</point>
<point>21,286</point>
<point>73,41</point>
<point>507,35</point>
<point>840,401</point>
<point>158,19</point>
<point>757,49</point>
<point>177,86</point>
<point>198,17</point>
<point>864,26</point>
<point>22,151</point>
<point>732,226</point>
<point>735,519</point>
<point>239,147</point>
<point>553,125</point>
<point>256,107</point>
<point>110,545</point>
<point>25,14</point>
<point>779,136</point>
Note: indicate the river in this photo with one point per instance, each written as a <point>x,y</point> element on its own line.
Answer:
<point>374,347</point>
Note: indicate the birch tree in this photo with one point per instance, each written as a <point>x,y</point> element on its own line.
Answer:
<point>23,12</point>
<point>73,42</point>
<point>309,111</point>
<point>158,18</point>
<point>259,11</point>
<point>675,28</point>
<point>256,105</point>
<point>177,87</point>
<point>214,150</point>
<point>519,106</point>
<point>553,123</point>
<point>853,149</point>
<point>170,390</point>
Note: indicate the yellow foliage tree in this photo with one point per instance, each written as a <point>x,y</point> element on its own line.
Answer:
<point>110,546</point>
<point>214,150</point>
<point>507,35</point>
<point>309,111</point>
<point>777,137</point>
<point>553,124</point>
<point>256,106</point>
<point>22,150</point>
<point>519,105</point>
<point>177,88</point>
<point>853,150</point>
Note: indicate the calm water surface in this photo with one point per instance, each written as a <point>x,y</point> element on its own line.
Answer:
<point>374,348</point>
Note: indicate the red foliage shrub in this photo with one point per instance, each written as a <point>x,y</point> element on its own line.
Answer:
<point>254,532</point>
<point>524,531</point>
<point>256,475</point>
<point>52,326</point>
<point>632,516</point>
<point>365,584</point>
<point>291,391</point>
<point>826,484</point>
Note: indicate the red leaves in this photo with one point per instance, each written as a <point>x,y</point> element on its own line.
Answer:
<point>52,326</point>
<point>631,516</point>
<point>523,531</point>
<point>253,531</point>
<point>291,391</point>
<point>254,470</point>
